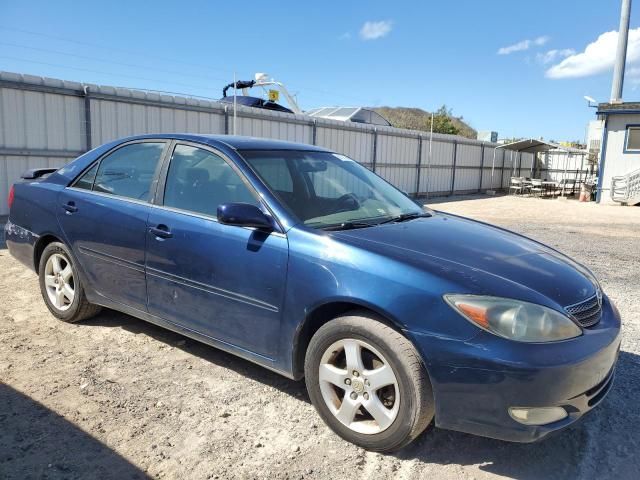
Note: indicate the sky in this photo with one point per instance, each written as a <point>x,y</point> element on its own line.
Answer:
<point>519,68</point>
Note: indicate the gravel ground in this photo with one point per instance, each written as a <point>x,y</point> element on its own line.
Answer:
<point>115,397</point>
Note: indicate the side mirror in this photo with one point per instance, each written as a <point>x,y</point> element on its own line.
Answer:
<point>243,215</point>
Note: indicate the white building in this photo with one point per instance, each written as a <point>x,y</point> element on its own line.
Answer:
<point>619,178</point>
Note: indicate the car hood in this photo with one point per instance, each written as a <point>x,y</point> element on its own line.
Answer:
<point>482,259</point>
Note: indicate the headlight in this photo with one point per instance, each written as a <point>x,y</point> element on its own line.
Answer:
<point>513,319</point>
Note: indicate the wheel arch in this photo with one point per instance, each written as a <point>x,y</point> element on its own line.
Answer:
<point>324,313</point>
<point>39,247</point>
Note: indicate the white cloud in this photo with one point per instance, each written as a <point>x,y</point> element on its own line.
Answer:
<point>597,57</point>
<point>375,30</point>
<point>523,45</point>
<point>554,55</point>
<point>345,36</point>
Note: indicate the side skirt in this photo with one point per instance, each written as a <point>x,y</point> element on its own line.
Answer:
<point>261,360</point>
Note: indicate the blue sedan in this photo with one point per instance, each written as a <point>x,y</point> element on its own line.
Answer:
<point>303,261</point>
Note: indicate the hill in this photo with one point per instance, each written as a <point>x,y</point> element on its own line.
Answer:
<point>418,119</point>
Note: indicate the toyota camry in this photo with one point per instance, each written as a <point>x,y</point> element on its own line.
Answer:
<point>305,262</point>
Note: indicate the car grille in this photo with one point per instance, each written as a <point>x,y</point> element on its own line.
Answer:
<point>588,312</point>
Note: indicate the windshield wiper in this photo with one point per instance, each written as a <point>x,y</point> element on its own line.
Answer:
<point>347,226</point>
<point>403,217</point>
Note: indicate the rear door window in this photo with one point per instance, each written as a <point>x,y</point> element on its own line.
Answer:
<point>129,171</point>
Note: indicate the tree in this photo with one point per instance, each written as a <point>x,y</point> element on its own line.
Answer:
<point>418,119</point>
<point>442,122</point>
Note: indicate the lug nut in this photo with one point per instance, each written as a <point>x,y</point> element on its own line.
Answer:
<point>367,383</point>
<point>354,395</point>
<point>355,373</point>
<point>366,396</point>
<point>347,381</point>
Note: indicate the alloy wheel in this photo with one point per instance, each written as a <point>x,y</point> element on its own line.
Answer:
<point>359,386</point>
<point>59,281</point>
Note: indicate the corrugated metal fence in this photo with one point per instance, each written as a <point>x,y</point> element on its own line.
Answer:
<point>48,122</point>
<point>558,165</point>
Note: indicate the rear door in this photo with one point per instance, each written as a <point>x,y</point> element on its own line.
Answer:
<point>104,218</point>
<point>223,281</point>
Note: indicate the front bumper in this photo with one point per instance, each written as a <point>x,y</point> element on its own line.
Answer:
<point>476,381</point>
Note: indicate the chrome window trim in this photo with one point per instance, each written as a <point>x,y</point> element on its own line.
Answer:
<point>204,216</point>
<point>170,209</point>
<point>110,195</point>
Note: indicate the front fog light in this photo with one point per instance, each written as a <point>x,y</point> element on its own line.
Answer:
<point>537,416</point>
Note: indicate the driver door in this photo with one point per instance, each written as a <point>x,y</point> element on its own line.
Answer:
<point>222,281</point>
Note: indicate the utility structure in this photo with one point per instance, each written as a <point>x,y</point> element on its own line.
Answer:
<point>621,53</point>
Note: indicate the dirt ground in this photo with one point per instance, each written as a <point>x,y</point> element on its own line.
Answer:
<point>115,397</point>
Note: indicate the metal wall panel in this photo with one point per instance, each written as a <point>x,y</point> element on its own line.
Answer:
<point>11,167</point>
<point>273,128</point>
<point>352,143</point>
<point>111,120</point>
<point>38,120</point>
<point>393,149</point>
<point>403,177</point>
<point>467,179</point>
<point>468,155</point>
<point>435,180</point>
<point>49,116</point>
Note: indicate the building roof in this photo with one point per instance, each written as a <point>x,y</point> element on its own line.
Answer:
<point>624,107</point>
<point>349,114</point>
<point>533,146</point>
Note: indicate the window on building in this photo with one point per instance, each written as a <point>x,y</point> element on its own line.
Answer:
<point>633,138</point>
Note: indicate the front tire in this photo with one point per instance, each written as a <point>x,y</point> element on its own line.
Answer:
<point>368,383</point>
<point>61,286</point>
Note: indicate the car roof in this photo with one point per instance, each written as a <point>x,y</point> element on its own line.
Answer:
<point>233,141</point>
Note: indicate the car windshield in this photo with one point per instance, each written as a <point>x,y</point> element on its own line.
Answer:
<point>326,189</point>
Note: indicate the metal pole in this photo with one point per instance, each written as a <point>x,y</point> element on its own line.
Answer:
<point>453,173</point>
<point>429,157</point>
<point>419,165</point>
<point>519,164</point>
<point>533,162</point>
<point>481,167</point>
<point>493,165</point>
<point>375,149</point>
<point>504,158</point>
<point>564,175</point>
<point>234,102</point>
<point>513,164</point>
<point>621,52</point>
<point>87,118</point>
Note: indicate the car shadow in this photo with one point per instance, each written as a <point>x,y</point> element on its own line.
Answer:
<point>111,318</point>
<point>603,444</point>
<point>36,442</point>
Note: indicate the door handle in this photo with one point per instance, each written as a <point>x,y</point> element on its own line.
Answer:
<point>161,231</point>
<point>70,207</point>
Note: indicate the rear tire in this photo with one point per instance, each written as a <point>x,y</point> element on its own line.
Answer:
<point>368,382</point>
<point>61,286</point>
